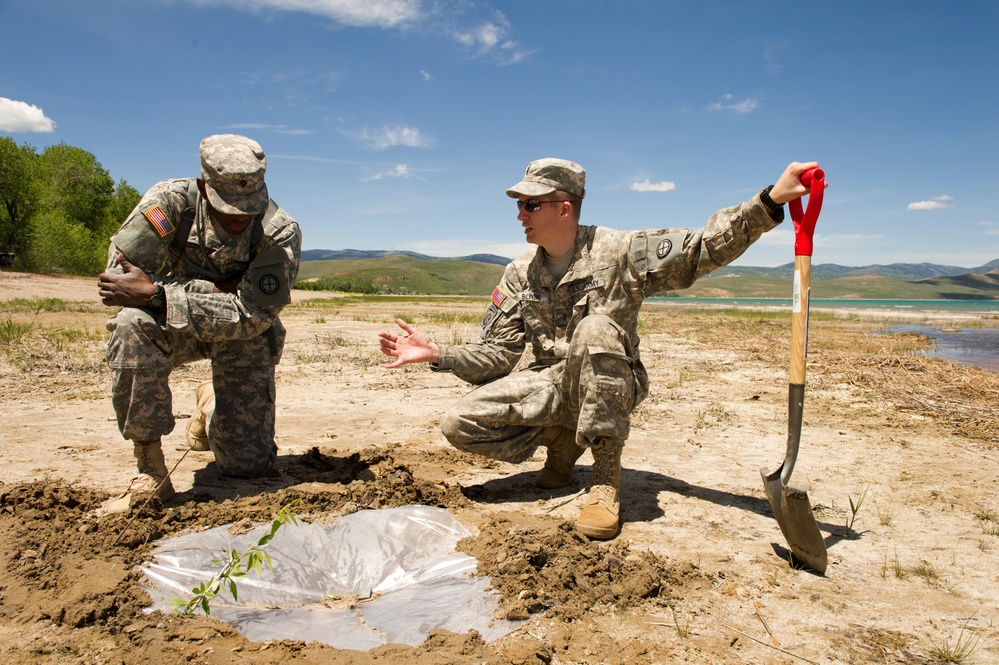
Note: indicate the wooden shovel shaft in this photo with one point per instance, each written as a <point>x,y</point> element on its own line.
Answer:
<point>796,375</point>
<point>799,318</point>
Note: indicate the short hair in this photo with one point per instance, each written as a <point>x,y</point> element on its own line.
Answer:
<point>568,197</point>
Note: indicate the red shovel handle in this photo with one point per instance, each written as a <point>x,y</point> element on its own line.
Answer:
<point>804,222</point>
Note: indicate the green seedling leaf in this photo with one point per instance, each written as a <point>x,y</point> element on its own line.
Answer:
<point>235,565</point>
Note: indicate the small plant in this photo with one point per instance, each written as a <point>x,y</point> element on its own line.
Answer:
<point>682,630</point>
<point>320,319</point>
<point>898,568</point>
<point>11,331</point>
<point>854,509</point>
<point>958,652</point>
<point>987,515</point>
<point>715,413</point>
<point>886,513</point>
<point>926,570</point>
<point>989,521</point>
<point>236,566</point>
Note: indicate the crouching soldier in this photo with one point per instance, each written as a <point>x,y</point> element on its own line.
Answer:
<point>200,269</point>
<point>575,298</point>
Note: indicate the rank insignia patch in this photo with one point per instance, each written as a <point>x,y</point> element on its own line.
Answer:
<point>159,221</point>
<point>498,297</point>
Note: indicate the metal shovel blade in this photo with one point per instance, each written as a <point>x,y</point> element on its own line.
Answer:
<point>790,503</point>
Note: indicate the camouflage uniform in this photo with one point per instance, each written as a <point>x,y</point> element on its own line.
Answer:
<point>239,332</point>
<point>587,373</point>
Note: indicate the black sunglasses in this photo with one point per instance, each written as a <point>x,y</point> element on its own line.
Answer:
<point>534,205</point>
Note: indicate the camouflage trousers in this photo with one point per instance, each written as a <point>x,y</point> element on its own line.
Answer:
<point>142,355</point>
<point>592,392</point>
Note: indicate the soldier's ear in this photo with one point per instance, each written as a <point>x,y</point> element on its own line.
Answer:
<point>201,187</point>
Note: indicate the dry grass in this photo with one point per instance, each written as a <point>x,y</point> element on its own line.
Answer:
<point>50,337</point>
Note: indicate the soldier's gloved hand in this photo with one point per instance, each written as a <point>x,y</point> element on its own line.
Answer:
<point>130,288</point>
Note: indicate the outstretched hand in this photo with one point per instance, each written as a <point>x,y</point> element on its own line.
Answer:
<point>412,347</point>
<point>130,288</point>
<point>788,187</point>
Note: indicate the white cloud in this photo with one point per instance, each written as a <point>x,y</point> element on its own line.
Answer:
<point>463,21</point>
<point>18,116</point>
<point>510,53</point>
<point>728,103</point>
<point>935,203</point>
<point>771,58</point>
<point>398,171</point>
<point>277,129</point>
<point>366,13</point>
<point>427,76</point>
<point>484,36</point>
<point>394,135</point>
<point>784,237</point>
<point>649,186</point>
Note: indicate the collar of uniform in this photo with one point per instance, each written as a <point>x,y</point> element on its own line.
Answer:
<point>581,267</point>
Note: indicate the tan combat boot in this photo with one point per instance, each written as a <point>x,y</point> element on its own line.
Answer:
<point>152,471</point>
<point>600,517</point>
<point>562,455</point>
<point>197,426</point>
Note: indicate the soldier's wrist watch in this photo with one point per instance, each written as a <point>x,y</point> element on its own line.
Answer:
<point>158,299</point>
<point>769,202</point>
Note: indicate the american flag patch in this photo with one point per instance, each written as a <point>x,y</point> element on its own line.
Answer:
<point>498,297</point>
<point>159,221</point>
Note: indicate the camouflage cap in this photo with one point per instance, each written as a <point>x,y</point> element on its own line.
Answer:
<point>233,169</point>
<point>544,176</point>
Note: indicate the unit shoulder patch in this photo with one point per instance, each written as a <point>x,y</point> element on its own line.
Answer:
<point>663,248</point>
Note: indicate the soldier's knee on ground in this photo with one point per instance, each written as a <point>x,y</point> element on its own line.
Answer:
<point>243,465</point>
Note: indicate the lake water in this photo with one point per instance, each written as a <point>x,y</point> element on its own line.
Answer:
<point>977,347</point>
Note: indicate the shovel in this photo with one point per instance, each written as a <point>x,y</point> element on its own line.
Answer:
<point>789,503</point>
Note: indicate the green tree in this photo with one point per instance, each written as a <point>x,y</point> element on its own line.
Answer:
<point>123,201</point>
<point>75,184</point>
<point>77,210</point>
<point>17,194</point>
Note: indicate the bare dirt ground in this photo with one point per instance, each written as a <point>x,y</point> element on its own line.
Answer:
<point>699,573</point>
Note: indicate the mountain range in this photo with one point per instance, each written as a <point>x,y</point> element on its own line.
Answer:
<point>901,271</point>
<point>352,254</point>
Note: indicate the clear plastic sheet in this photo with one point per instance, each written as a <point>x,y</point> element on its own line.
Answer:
<point>404,559</point>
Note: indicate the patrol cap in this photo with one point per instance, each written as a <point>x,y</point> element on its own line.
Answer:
<point>544,176</point>
<point>233,169</point>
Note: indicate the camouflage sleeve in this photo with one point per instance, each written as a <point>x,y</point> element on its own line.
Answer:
<point>145,235</point>
<point>263,292</point>
<point>501,342</point>
<point>671,259</point>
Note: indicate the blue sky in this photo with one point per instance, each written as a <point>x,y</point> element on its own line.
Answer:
<point>398,124</point>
